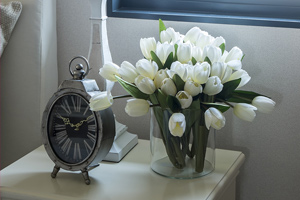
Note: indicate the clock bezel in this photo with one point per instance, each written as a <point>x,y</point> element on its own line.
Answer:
<point>59,162</point>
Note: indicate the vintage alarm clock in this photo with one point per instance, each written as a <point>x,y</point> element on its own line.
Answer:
<point>75,137</point>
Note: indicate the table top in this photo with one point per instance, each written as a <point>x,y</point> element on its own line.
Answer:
<point>132,178</point>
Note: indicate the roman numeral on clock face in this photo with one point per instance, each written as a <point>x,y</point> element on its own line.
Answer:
<point>76,100</point>
<point>77,152</point>
<point>65,105</point>
<point>66,146</point>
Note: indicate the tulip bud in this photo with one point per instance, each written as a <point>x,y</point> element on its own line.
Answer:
<point>221,70</point>
<point>168,87</point>
<point>214,118</point>
<point>192,88</point>
<point>147,68</point>
<point>184,98</point>
<point>177,124</point>
<point>180,69</point>
<point>109,70</point>
<point>128,72</point>
<point>245,78</point>
<point>137,107</point>
<point>204,39</point>
<point>197,53</point>
<point>201,72</point>
<point>184,52</point>
<point>245,111</point>
<point>169,36</point>
<point>163,51</point>
<point>218,41</point>
<point>192,35</point>
<point>263,104</point>
<point>101,101</point>
<point>234,54</point>
<point>213,86</point>
<point>147,45</point>
<point>145,84</point>
<point>159,77</point>
<point>213,53</point>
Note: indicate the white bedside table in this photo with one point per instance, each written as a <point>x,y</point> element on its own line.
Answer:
<point>132,179</point>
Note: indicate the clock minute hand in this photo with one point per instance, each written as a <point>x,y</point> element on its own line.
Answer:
<point>80,123</point>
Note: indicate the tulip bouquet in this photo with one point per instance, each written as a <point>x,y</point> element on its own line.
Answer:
<point>190,81</point>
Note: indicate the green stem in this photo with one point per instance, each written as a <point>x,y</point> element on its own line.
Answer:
<point>122,96</point>
<point>229,104</point>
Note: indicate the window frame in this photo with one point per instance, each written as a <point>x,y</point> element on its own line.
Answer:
<point>280,13</point>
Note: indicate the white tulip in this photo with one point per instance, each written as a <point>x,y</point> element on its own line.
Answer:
<point>204,39</point>
<point>101,101</point>
<point>168,87</point>
<point>169,36</point>
<point>177,124</point>
<point>128,72</point>
<point>245,78</point>
<point>213,86</point>
<point>234,54</point>
<point>147,45</point>
<point>159,77</point>
<point>184,52</point>
<point>221,70</point>
<point>163,51</point>
<point>263,104</point>
<point>145,84</point>
<point>218,41</point>
<point>190,70</point>
<point>192,87</point>
<point>147,68</point>
<point>192,35</point>
<point>180,69</point>
<point>184,98</point>
<point>109,70</point>
<point>233,59</point>
<point>213,53</point>
<point>201,72</point>
<point>197,53</point>
<point>137,107</point>
<point>214,118</point>
<point>245,111</point>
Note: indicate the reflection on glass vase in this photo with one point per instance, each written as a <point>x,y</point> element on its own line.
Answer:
<point>186,157</point>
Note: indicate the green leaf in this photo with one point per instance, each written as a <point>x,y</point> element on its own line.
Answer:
<point>220,107</point>
<point>162,26</point>
<point>222,47</point>
<point>195,105</point>
<point>173,103</point>
<point>178,82</point>
<point>175,57</point>
<point>194,61</point>
<point>228,89</point>
<point>157,60</point>
<point>243,57</point>
<point>132,89</point>
<point>241,96</point>
<point>162,99</point>
<point>169,61</point>
<point>207,60</point>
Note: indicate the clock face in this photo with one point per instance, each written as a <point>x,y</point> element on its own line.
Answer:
<point>72,129</point>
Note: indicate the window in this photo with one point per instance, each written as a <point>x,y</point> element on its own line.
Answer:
<point>277,13</point>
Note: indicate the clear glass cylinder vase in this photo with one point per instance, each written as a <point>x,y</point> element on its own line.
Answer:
<point>190,156</point>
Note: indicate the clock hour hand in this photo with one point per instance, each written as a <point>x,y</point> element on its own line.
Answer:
<point>65,120</point>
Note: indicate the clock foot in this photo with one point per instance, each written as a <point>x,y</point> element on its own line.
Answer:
<point>86,177</point>
<point>55,171</point>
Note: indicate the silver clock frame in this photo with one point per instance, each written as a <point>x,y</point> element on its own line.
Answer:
<point>85,88</point>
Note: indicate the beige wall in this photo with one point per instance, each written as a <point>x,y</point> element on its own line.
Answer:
<point>270,143</point>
